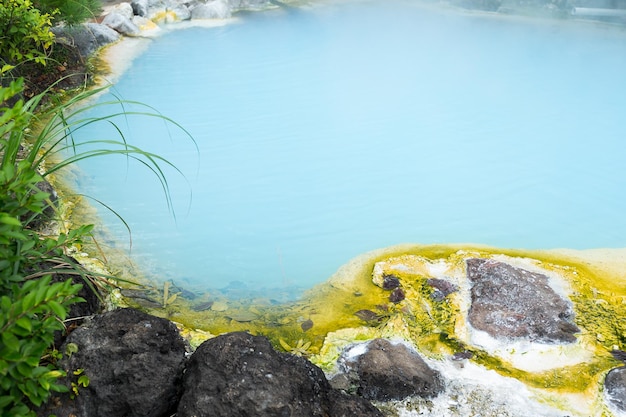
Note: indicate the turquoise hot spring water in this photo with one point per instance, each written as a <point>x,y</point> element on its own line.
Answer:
<point>329,131</point>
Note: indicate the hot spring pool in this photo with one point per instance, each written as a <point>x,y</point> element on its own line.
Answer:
<point>331,131</point>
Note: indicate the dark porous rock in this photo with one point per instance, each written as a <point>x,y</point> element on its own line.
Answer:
<point>86,37</point>
<point>134,363</point>
<point>510,302</point>
<point>620,355</point>
<point>615,387</point>
<point>238,374</point>
<point>388,371</point>
<point>344,405</point>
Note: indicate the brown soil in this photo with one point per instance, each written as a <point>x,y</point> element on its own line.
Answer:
<point>65,70</point>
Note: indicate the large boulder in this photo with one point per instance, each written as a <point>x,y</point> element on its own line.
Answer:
<point>134,363</point>
<point>615,388</point>
<point>121,23</point>
<point>383,371</point>
<point>125,9</point>
<point>86,37</point>
<point>238,374</point>
<point>513,303</point>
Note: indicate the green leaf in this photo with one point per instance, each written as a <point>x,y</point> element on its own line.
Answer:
<point>6,68</point>
<point>40,295</point>
<point>24,323</point>
<point>58,309</point>
<point>28,301</point>
<point>24,369</point>
<point>10,341</point>
<point>5,400</point>
<point>10,220</point>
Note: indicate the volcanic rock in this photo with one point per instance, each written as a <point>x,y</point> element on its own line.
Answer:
<point>237,374</point>
<point>386,371</point>
<point>513,303</point>
<point>134,363</point>
<point>615,387</point>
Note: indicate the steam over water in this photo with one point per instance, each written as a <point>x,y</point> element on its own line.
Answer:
<point>328,132</point>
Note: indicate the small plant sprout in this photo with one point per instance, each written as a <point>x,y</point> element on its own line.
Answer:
<point>301,348</point>
<point>168,298</point>
<point>82,381</point>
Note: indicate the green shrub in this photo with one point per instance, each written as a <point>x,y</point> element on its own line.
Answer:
<point>69,11</point>
<point>32,306</point>
<point>24,33</point>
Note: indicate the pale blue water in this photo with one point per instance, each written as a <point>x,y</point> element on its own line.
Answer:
<point>325,133</point>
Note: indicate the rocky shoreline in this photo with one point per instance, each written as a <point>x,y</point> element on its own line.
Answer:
<point>140,365</point>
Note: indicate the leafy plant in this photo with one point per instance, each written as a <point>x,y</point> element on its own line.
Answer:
<point>24,33</point>
<point>32,305</point>
<point>29,315</point>
<point>81,381</point>
<point>69,11</point>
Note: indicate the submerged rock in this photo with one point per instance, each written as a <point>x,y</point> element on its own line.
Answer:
<point>134,363</point>
<point>510,302</point>
<point>442,288</point>
<point>397,295</point>
<point>238,374</point>
<point>390,282</point>
<point>384,371</point>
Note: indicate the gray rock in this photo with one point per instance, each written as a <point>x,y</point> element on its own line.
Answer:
<point>125,9</point>
<point>510,302</point>
<point>238,374</point>
<point>86,37</point>
<point>181,11</point>
<point>387,371</point>
<point>121,24</point>
<point>140,7</point>
<point>217,9</point>
<point>156,9</point>
<point>134,363</point>
<point>615,387</point>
